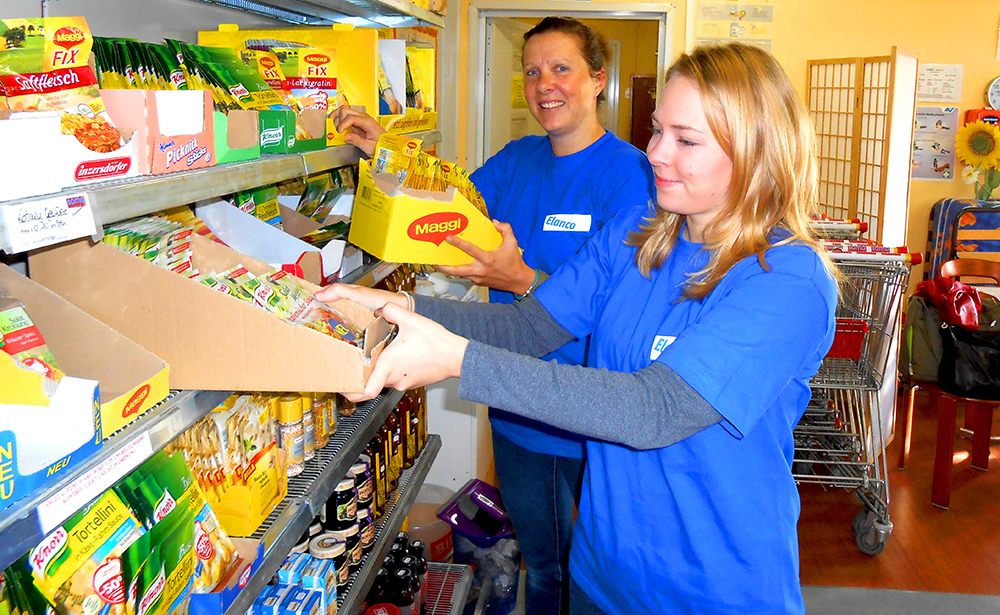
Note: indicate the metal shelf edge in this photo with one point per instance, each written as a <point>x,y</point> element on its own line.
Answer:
<point>20,525</point>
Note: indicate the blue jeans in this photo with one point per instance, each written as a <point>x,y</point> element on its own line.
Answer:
<point>580,603</point>
<point>539,493</point>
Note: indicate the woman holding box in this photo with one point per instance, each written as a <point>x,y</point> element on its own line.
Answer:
<point>547,195</point>
<point>706,322</point>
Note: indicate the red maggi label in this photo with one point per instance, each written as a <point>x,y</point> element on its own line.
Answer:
<point>436,227</point>
<point>135,402</point>
<point>266,62</point>
<point>316,59</point>
<point>99,169</point>
<point>69,36</point>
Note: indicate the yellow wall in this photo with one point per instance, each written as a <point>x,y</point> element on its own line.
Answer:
<point>939,32</point>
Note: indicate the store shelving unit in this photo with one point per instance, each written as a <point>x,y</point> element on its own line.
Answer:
<point>308,491</point>
<point>364,13</point>
<point>122,199</point>
<point>25,524</point>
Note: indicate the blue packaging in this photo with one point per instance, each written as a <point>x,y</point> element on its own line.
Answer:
<point>301,601</point>
<point>272,603</point>
<point>291,569</point>
<point>320,576</point>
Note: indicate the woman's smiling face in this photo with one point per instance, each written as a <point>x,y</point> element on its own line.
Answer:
<point>558,85</point>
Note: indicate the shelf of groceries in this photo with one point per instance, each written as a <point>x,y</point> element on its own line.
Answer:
<point>117,200</point>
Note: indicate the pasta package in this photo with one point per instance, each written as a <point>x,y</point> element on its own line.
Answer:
<point>45,67</point>
<point>77,567</point>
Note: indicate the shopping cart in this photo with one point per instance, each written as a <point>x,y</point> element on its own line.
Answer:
<point>839,441</point>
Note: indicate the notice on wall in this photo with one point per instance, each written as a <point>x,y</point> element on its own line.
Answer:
<point>712,23</point>
<point>939,83</point>
<point>934,131</point>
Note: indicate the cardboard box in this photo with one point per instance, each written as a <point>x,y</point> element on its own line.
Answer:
<point>237,136</point>
<point>250,555</point>
<point>32,453</point>
<point>278,134</point>
<point>211,340</point>
<point>133,380</point>
<point>46,161</point>
<point>175,130</point>
<point>411,225</point>
<point>259,240</point>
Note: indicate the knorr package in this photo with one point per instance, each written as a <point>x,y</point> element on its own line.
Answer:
<point>44,67</point>
<point>20,338</point>
<point>164,483</point>
<point>157,569</point>
<point>78,565</point>
<point>234,84</point>
<point>261,203</point>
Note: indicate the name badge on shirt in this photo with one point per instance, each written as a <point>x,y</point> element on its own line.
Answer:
<point>659,343</point>
<point>579,223</point>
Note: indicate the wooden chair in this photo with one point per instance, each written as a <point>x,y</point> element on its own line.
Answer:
<point>978,412</point>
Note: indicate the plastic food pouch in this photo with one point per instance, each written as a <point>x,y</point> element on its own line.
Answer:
<point>269,69</point>
<point>77,567</point>
<point>322,236</point>
<point>395,154</point>
<point>45,68</point>
<point>326,203</point>
<point>262,203</point>
<point>310,76</point>
<point>327,320</point>
<point>388,103</point>
<point>21,339</point>
<point>316,186</point>
<point>242,82</point>
<point>24,596</point>
<point>158,569</point>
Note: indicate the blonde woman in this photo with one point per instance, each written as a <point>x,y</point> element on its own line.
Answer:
<point>707,319</point>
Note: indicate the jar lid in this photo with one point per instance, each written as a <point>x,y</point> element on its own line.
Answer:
<point>344,534</point>
<point>358,468</point>
<point>345,485</point>
<point>326,546</point>
<point>363,512</point>
<point>289,408</point>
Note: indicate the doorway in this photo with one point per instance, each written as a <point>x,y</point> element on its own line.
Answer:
<point>642,96</point>
<point>487,67</point>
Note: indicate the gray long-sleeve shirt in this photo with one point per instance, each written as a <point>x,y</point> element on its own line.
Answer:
<point>647,409</point>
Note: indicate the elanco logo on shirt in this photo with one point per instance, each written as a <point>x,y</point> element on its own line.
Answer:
<point>579,223</point>
<point>659,343</point>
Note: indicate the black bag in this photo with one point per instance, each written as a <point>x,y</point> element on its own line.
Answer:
<point>970,362</point>
<point>920,351</point>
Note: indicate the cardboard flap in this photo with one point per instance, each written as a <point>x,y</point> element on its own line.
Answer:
<point>377,335</point>
<point>252,236</point>
<point>313,121</point>
<point>243,130</point>
<point>180,112</point>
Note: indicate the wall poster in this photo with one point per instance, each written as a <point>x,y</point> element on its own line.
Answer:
<point>724,21</point>
<point>934,131</point>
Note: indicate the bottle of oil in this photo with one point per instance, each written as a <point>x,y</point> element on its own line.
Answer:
<point>395,449</point>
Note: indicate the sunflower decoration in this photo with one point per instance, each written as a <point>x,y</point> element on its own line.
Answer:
<point>978,145</point>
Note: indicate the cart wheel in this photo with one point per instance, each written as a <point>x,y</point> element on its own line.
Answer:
<point>860,521</point>
<point>868,541</point>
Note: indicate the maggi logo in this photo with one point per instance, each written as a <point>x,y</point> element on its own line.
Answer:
<point>316,59</point>
<point>67,37</point>
<point>135,402</point>
<point>437,226</point>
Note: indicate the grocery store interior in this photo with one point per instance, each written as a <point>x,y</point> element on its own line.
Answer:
<point>215,422</point>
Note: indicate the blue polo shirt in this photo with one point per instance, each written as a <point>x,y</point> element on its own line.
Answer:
<point>706,525</point>
<point>554,204</point>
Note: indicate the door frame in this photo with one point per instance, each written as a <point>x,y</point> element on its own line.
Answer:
<point>631,99</point>
<point>481,10</point>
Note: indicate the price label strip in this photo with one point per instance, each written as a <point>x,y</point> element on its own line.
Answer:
<point>36,224</point>
<point>94,482</point>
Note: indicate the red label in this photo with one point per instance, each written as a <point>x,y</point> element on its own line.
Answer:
<point>52,81</point>
<point>135,402</point>
<point>98,169</point>
<point>108,582</point>
<point>22,339</point>
<point>435,227</point>
<point>266,62</point>
<point>203,544</point>
<point>67,37</point>
<point>245,575</point>
<point>316,59</point>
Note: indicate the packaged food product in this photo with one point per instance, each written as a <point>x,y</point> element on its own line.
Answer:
<point>44,67</point>
<point>158,568</point>
<point>261,203</point>
<point>21,339</point>
<point>77,567</point>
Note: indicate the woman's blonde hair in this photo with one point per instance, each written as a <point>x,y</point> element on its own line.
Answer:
<point>762,125</point>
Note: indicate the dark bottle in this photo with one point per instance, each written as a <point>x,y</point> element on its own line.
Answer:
<point>402,538</point>
<point>380,587</point>
<point>417,548</point>
<point>401,591</point>
<point>418,568</point>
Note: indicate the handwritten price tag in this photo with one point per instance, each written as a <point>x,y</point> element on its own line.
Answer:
<point>45,222</point>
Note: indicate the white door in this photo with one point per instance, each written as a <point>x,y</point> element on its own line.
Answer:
<point>507,117</point>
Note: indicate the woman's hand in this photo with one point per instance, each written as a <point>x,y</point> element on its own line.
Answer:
<point>501,269</point>
<point>366,129</point>
<point>371,298</point>
<point>422,353</point>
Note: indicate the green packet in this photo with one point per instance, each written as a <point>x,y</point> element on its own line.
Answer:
<point>158,569</point>
<point>261,203</point>
<point>323,235</point>
<point>229,72</point>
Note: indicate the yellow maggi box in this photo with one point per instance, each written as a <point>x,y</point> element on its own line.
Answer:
<point>410,226</point>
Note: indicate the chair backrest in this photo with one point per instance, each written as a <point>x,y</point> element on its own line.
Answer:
<point>971,267</point>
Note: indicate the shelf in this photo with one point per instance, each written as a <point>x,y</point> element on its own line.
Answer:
<point>369,275</point>
<point>361,13</point>
<point>122,199</point>
<point>25,524</point>
<point>309,490</point>
<point>388,525</point>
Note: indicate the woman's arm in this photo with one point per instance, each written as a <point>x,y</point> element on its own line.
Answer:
<point>647,409</point>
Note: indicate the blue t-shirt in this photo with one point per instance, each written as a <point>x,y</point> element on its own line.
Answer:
<point>706,525</point>
<point>554,204</point>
